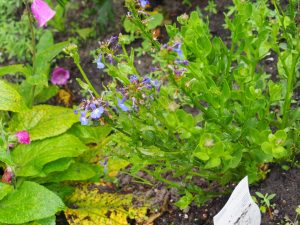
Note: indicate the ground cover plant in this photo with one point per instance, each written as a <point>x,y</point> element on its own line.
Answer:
<point>205,115</point>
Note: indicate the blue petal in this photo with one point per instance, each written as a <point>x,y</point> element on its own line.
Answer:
<point>122,105</point>
<point>84,121</point>
<point>96,114</point>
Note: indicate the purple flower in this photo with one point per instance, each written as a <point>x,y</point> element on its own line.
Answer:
<point>133,79</point>
<point>75,111</point>
<point>60,76</point>
<point>144,3</point>
<point>84,121</point>
<point>96,113</point>
<point>122,105</point>
<point>41,12</point>
<point>23,137</point>
<point>100,65</point>
<point>146,80</point>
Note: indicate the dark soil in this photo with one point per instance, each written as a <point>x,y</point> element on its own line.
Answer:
<point>285,184</point>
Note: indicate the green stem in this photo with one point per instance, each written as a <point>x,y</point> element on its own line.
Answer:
<point>31,22</point>
<point>91,87</point>
<point>33,47</point>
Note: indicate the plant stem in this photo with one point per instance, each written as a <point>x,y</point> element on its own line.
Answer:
<point>87,80</point>
<point>33,47</point>
<point>33,43</point>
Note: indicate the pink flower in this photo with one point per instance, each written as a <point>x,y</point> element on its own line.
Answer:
<point>41,12</point>
<point>23,137</point>
<point>8,175</point>
<point>60,76</point>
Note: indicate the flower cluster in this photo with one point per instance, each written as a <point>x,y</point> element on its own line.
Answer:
<point>178,65</point>
<point>92,110</point>
<point>139,92</point>
<point>108,49</point>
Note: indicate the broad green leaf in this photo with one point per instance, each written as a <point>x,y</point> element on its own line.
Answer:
<point>76,171</point>
<point>10,99</point>
<point>202,156</point>
<point>13,69</point>
<point>90,134</point>
<point>46,221</point>
<point>30,159</point>
<point>46,41</point>
<point>58,165</point>
<point>44,121</point>
<point>5,189</point>
<point>213,163</point>
<point>155,20</point>
<point>42,63</point>
<point>97,207</point>
<point>29,202</point>
<point>5,157</point>
<point>279,152</point>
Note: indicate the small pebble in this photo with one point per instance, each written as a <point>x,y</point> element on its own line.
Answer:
<point>186,216</point>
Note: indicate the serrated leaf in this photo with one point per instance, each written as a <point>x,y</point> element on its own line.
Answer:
<point>29,202</point>
<point>96,207</point>
<point>30,159</point>
<point>44,121</point>
<point>10,99</point>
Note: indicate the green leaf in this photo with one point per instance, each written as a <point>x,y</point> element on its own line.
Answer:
<point>43,62</point>
<point>10,99</point>
<point>185,200</point>
<point>29,202</point>
<point>44,121</point>
<point>5,157</point>
<point>279,152</point>
<point>154,21</point>
<point>202,156</point>
<point>5,189</point>
<point>58,165</point>
<point>76,172</point>
<point>46,41</point>
<point>30,159</point>
<point>89,134</point>
<point>46,221</point>
<point>13,69</point>
<point>213,163</point>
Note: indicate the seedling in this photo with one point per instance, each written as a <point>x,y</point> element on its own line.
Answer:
<point>265,203</point>
<point>296,221</point>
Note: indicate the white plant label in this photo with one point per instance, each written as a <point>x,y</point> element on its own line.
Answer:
<point>240,209</point>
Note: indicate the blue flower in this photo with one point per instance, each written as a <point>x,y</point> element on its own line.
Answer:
<point>104,164</point>
<point>84,121</point>
<point>144,3</point>
<point>96,113</point>
<point>122,105</point>
<point>146,80</point>
<point>92,106</point>
<point>133,79</point>
<point>177,49</point>
<point>100,65</point>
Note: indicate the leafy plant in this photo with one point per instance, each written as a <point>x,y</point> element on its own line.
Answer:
<point>207,109</point>
<point>265,203</point>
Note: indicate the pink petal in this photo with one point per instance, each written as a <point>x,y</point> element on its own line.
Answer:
<point>23,137</point>
<point>60,76</point>
<point>42,12</point>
